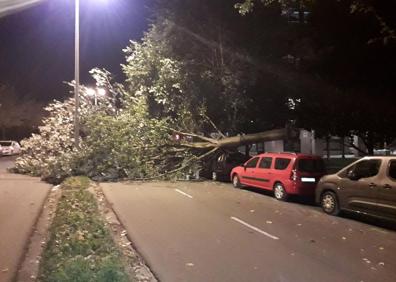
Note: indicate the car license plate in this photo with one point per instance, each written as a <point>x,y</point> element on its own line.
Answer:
<point>308,179</point>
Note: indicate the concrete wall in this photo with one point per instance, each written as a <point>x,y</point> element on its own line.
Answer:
<point>306,142</point>
<point>274,146</point>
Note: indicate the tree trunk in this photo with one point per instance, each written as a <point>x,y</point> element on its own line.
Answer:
<point>301,16</point>
<point>370,143</point>
<point>236,141</point>
<point>328,147</point>
<point>343,147</point>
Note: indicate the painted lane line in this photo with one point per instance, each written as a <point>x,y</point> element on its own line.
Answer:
<point>185,194</point>
<point>254,228</point>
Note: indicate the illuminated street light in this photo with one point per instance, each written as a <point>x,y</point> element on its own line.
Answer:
<point>101,91</point>
<point>77,73</point>
<point>95,93</point>
<point>91,92</point>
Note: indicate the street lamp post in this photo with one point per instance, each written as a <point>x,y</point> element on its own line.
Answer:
<point>77,73</point>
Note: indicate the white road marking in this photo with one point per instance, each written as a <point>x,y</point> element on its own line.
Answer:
<point>254,228</point>
<point>185,194</point>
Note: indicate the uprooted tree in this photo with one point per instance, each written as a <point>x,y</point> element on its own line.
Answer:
<point>127,143</point>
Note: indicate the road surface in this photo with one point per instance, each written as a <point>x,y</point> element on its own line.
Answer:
<point>21,199</point>
<point>206,231</point>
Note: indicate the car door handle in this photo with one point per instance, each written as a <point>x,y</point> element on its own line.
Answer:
<point>387,186</point>
<point>372,185</point>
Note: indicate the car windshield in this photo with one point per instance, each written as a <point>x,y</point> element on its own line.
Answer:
<point>236,159</point>
<point>5,143</point>
<point>311,165</point>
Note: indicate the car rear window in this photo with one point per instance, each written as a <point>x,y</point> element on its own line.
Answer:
<point>311,165</point>
<point>281,163</point>
<point>5,143</point>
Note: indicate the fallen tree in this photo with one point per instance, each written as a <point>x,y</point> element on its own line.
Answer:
<point>127,145</point>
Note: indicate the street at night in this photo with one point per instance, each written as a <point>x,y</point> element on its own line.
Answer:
<point>197,140</point>
<point>208,231</point>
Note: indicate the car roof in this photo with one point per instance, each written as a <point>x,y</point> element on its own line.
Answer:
<point>379,157</point>
<point>288,154</point>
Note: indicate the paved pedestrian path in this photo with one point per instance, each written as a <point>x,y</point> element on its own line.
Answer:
<point>21,201</point>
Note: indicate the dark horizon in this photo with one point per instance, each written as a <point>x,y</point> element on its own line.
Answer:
<point>37,45</point>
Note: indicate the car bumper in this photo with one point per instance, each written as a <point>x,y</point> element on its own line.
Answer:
<point>303,189</point>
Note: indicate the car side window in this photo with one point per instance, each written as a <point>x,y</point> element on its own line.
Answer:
<point>281,163</point>
<point>265,162</point>
<point>252,163</point>
<point>364,169</point>
<point>392,169</point>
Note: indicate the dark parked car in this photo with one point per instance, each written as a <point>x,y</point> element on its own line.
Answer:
<point>365,186</point>
<point>220,168</point>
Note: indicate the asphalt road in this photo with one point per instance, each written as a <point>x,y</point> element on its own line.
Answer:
<point>21,199</point>
<point>206,231</point>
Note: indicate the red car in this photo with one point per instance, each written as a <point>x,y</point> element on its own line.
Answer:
<point>284,173</point>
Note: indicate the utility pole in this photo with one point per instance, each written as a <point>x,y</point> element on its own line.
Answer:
<point>77,73</point>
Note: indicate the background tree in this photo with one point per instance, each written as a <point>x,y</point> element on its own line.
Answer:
<point>346,51</point>
<point>19,116</point>
<point>227,58</point>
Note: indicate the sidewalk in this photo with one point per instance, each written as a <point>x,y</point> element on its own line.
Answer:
<point>21,201</point>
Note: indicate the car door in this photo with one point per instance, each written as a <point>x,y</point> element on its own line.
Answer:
<point>249,172</point>
<point>281,171</point>
<point>387,190</point>
<point>358,186</point>
<point>263,173</point>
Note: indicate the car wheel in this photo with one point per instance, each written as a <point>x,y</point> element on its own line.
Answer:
<point>329,203</point>
<point>280,192</point>
<point>236,182</point>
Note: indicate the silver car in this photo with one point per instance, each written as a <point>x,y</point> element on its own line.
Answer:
<point>366,186</point>
<point>8,148</point>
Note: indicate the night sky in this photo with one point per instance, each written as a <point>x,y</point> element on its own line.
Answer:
<point>37,45</point>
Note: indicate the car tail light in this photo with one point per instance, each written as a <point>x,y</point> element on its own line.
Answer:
<point>293,175</point>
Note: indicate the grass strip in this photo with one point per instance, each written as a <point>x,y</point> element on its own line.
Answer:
<point>80,247</point>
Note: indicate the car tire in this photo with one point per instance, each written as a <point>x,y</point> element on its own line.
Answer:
<point>329,203</point>
<point>236,182</point>
<point>280,192</point>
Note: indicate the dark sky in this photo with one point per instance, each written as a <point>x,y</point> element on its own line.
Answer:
<point>37,45</point>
